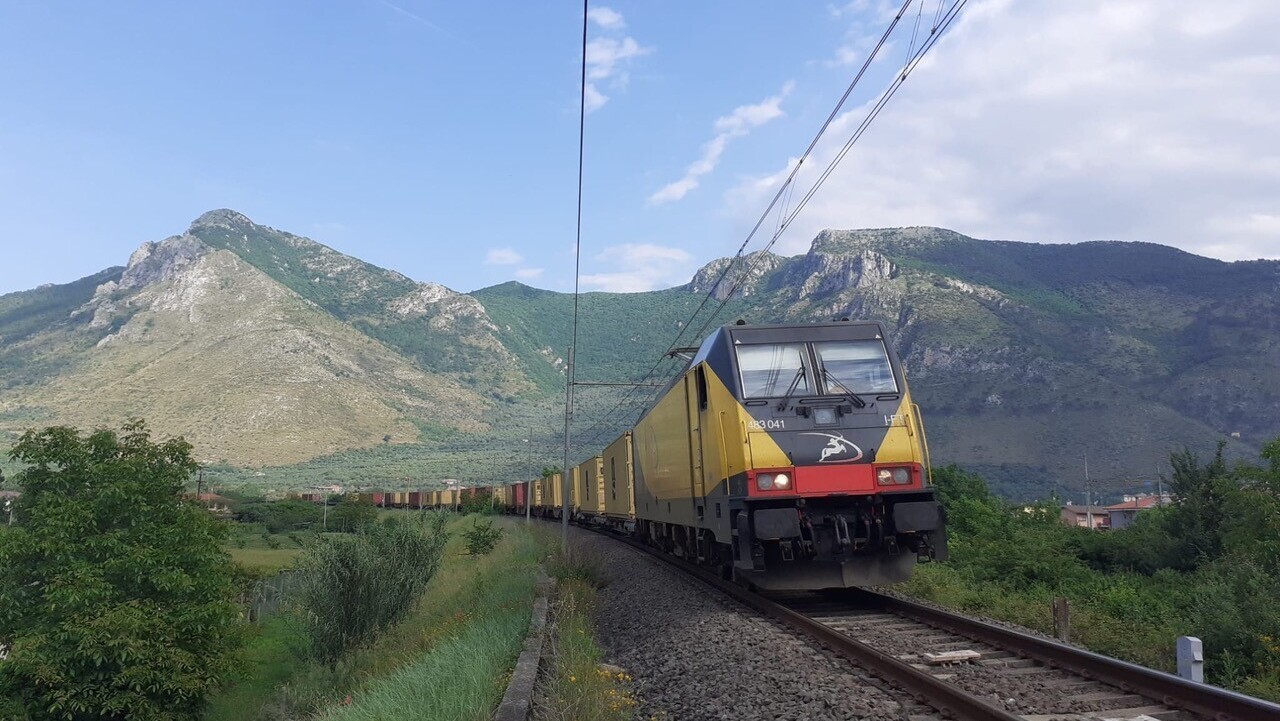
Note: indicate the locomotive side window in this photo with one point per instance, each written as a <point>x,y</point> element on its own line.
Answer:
<point>861,366</point>
<point>773,369</point>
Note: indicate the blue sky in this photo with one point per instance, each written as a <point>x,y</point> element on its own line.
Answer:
<point>439,139</point>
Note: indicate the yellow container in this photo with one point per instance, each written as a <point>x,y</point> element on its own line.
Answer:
<point>448,498</point>
<point>553,493</point>
<point>590,485</point>
<point>618,478</point>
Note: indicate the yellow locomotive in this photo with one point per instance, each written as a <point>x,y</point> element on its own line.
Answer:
<point>786,456</point>
<point>792,456</point>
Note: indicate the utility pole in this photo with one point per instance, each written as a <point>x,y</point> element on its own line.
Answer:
<point>564,470</point>
<point>1088,497</point>
<point>199,483</point>
<point>528,485</point>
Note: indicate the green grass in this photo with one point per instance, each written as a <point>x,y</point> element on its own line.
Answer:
<point>453,653</point>
<point>271,656</point>
<point>577,687</point>
<point>266,560</point>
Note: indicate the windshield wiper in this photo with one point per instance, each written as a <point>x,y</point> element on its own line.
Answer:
<point>857,402</point>
<point>795,383</point>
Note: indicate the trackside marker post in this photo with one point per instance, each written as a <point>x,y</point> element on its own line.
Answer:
<point>1191,658</point>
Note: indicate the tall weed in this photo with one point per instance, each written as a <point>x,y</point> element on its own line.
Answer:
<point>354,587</point>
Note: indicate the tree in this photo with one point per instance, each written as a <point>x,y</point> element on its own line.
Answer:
<point>352,514</point>
<point>116,600</point>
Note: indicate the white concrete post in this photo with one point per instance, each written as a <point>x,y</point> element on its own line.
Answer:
<point>1191,658</point>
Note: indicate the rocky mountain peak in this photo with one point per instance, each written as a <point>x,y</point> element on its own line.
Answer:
<point>157,261</point>
<point>222,218</point>
<point>755,266</point>
<point>883,239</point>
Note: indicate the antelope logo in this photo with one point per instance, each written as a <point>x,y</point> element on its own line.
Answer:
<point>837,445</point>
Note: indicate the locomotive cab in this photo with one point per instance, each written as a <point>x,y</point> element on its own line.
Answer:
<point>807,465</point>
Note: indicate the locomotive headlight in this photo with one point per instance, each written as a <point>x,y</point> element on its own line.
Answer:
<point>893,476</point>
<point>764,481</point>
<point>781,481</point>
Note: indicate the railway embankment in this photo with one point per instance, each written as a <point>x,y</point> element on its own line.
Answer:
<point>692,654</point>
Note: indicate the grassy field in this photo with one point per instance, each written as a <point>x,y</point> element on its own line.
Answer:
<point>265,560</point>
<point>261,552</point>
<point>448,660</point>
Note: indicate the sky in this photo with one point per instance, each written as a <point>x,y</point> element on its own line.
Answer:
<point>440,139</point>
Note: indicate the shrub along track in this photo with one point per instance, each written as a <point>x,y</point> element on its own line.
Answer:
<point>1017,676</point>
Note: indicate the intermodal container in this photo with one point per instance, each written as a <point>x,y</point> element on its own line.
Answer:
<point>591,483</point>
<point>619,478</point>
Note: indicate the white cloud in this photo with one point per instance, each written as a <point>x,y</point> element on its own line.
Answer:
<point>1149,120</point>
<point>502,256</point>
<point>640,267</point>
<point>606,18</point>
<point>604,55</point>
<point>594,99</point>
<point>734,125</point>
<point>529,273</point>
<point>608,57</point>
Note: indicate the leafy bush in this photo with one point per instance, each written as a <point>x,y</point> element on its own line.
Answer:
<point>116,598</point>
<point>351,515</point>
<point>279,516</point>
<point>354,587</point>
<point>482,538</point>
<point>1206,566</point>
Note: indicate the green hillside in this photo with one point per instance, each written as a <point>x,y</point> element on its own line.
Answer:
<point>289,363</point>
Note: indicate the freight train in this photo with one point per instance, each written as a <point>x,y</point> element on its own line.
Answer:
<point>784,456</point>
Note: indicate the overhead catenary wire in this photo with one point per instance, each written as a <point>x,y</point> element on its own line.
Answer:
<point>783,189</point>
<point>911,64</point>
<point>577,276</point>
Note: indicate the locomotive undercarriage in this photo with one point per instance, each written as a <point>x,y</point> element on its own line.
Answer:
<point>836,542</point>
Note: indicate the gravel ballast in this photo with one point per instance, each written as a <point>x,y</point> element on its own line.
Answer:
<point>695,654</point>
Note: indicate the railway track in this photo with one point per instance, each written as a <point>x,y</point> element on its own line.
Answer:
<point>1009,674</point>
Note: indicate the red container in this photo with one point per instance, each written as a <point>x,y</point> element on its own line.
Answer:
<point>415,499</point>
<point>519,491</point>
<point>378,498</point>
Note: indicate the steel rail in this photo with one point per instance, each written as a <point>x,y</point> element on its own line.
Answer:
<point>948,699</point>
<point>1174,691</point>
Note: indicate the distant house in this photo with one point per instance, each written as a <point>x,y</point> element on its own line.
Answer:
<point>1122,515</point>
<point>1086,516</point>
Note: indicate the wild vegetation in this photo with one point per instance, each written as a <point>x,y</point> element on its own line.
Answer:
<point>577,686</point>
<point>116,599</point>
<point>1206,566</point>
<point>446,658</point>
<point>356,586</point>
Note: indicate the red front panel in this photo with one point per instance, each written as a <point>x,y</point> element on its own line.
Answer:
<point>834,479</point>
<point>519,489</point>
<point>378,498</point>
<point>825,480</point>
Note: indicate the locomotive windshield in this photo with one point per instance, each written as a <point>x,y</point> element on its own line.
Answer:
<point>771,369</point>
<point>862,366</point>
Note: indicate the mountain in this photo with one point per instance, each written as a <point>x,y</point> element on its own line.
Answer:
<point>287,362</point>
<point>203,341</point>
